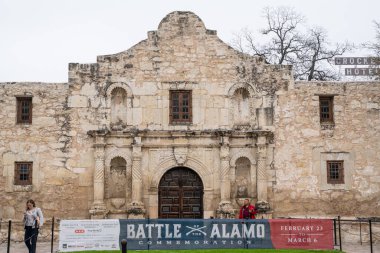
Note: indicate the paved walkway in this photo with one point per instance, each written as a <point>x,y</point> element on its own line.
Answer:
<point>44,247</point>
<point>357,248</point>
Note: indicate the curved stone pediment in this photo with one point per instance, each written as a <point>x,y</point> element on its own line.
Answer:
<point>181,23</point>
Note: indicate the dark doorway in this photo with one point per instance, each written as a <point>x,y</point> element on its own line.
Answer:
<point>180,194</point>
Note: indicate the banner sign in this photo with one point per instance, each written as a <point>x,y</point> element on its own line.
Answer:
<point>80,235</point>
<point>195,233</point>
<point>302,234</point>
<point>203,234</point>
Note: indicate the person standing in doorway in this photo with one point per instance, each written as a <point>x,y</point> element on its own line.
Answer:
<point>33,219</point>
<point>247,211</point>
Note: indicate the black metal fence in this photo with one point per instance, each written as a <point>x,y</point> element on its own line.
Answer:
<point>361,234</point>
<point>13,232</point>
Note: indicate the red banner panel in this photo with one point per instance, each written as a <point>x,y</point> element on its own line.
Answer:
<point>301,234</point>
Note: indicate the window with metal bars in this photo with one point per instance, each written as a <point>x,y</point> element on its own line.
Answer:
<point>326,109</point>
<point>24,110</point>
<point>335,172</point>
<point>23,173</point>
<point>180,107</point>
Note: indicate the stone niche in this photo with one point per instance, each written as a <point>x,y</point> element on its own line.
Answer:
<point>118,108</point>
<point>242,108</point>
<point>117,186</point>
<point>244,185</point>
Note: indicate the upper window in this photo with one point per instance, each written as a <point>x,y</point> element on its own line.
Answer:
<point>326,109</point>
<point>335,172</point>
<point>23,173</point>
<point>24,110</point>
<point>180,107</point>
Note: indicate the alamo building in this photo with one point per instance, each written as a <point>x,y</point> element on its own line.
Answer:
<point>181,125</point>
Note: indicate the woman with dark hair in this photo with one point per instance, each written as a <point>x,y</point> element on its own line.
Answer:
<point>33,219</point>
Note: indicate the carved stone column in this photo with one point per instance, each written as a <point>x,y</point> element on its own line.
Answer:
<point>225,209</point>
<point>98,209</point>
<point>262,194</point>
<point>136,209</point>
<point>224,171</point>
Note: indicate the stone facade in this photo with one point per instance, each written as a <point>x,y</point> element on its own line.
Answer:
<point>303,145</point>
<point>101,143</point>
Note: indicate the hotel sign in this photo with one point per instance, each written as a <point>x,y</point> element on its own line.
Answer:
<point>373,62</point>
<point>361,71</point>
<point>357,60</point>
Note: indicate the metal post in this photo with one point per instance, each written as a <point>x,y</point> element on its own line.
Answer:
<point>52,236</point>
<point>340,235</point>
<point>9,236</point>
<point>370,234</point>
<point>123,246</point>
<point>148,236</point>
<point>335,232</point>
<point>360,231</point>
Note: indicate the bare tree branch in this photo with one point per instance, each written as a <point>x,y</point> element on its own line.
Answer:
<point>282,24</point>
<point>375,46</point>
<point>313,61</point>
<point>310,54</point>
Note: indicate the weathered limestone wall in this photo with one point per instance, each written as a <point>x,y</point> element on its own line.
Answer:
<point>46,142</point>
<point>181,55</point>
<point>254,132</point>
<point>230,91</point>
<point>302,148</point>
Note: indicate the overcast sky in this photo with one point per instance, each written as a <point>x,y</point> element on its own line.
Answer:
<point>38,38</point>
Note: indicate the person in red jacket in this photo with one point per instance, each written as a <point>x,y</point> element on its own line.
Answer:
<point>247,211</point>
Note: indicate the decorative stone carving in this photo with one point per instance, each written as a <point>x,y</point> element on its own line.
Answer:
<point>242,190</point>
<point>195,164</point>
<point>117,152</point>
<point>136,168</point>
<point>261,169</point>
<point>224,169</point>
<point>262,206</point>
<point>111,86</point>
<point>137,205</point>
<point>225,210</point>
<point>241,85</point>
<point>98,207</point>
<point>136,210</point>
<point>180,155</point>
<point>118,202</point>
<point>164,155</point>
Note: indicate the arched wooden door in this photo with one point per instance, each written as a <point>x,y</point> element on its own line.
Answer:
<point>180,194</point>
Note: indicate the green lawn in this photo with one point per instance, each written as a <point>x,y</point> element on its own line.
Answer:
<point>220,250</point>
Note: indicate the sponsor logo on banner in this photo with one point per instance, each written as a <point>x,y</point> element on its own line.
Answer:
<point>79,235</point>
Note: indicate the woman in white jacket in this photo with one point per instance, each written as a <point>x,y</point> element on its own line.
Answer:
<point>33,219</point>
